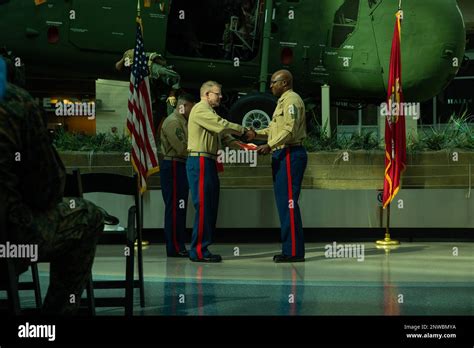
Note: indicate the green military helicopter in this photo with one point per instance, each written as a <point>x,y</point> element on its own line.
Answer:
<point>341,43</point>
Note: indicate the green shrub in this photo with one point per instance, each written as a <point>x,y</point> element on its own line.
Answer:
<point>457,133</point>
<point>100,142</point>
<point>318,140</point>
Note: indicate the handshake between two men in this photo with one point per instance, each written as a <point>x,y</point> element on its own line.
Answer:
<point>284,137</point>
<point>249,135</point>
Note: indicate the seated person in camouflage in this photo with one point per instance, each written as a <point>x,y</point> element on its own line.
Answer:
<point>32,178</point>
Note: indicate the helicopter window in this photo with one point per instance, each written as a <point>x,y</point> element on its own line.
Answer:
<point>345,21</point>
<point>215,29</point>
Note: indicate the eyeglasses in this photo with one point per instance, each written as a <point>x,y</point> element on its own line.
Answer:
<point>275,81</point>
<point>218,94</point>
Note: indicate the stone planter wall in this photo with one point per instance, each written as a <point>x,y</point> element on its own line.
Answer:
<point>326,170</point>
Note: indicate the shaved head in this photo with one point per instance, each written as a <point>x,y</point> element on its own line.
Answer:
<point>284,74</point>
<point>282,81</point>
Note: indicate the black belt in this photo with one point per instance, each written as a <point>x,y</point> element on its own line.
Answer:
<point>173,158</point>
<point>202,154</point>
<point>286,146</point>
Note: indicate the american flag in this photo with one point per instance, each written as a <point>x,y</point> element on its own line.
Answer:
<point>140,117</point>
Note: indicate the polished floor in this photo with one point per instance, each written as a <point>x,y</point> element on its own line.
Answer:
<point>432,278</point>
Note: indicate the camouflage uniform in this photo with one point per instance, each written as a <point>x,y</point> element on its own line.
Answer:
<point>32,177</point>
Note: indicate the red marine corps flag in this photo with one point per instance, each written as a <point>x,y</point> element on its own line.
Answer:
<point>395,138</point>
<point>140,118</point>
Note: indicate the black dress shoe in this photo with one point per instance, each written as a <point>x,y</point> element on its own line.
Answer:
<point>182,253</point>
<point>110,219</point>
<point>209,258</point>
<point>284,258</point>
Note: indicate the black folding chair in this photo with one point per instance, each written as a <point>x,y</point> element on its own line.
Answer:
<point>8,270</point>
<point>122,185</point>
<point>8,277</point>
<point>73,188</point>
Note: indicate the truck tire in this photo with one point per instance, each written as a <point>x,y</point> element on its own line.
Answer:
<point>253,110</point>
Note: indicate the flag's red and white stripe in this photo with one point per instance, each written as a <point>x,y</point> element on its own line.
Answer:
<point>140,117</point>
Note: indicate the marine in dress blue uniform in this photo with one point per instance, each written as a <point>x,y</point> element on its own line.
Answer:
<point>205,129</point>
<point>174,181</point>
<point>289,159</point>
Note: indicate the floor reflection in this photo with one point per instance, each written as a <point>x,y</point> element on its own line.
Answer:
<point>430,279</point>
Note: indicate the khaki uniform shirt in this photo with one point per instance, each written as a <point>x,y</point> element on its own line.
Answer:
<point>205,127</point>
<point>174,136</point>
<point>288,124</point>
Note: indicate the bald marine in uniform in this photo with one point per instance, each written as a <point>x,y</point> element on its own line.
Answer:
<point>206,128</point>
<point>289,159</point>
<point>174,182</point>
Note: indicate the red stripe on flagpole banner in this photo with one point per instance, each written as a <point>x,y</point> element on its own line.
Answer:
<point>290,199</point>
<point>138,163</point>
<point>152,155</point>
<point>146,137</point>
<point>146,96</point>
<point>137,145</point>
<point>136,136</point>
<point>139,118</point>
<point>146,144</point>
<point>201,207</point>
<point>141,169</point>
<point>130,105</point>
<point>134,116</point>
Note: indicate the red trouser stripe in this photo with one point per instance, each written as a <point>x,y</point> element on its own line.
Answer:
<point>291,203</point>
<point>175,207</point>
<point>201,206</point>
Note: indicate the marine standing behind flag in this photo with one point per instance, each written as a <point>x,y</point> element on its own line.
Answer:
<point>395,138</point>
<point>140,117</point>
<point>173,178</point>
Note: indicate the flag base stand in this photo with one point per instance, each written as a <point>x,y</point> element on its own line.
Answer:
<point>387,248</point>
<point>387,241</point>
<point>144,243</point>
